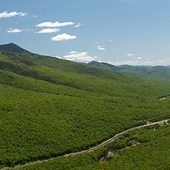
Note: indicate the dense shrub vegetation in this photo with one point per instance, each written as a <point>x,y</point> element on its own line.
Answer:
<point>145,148</point>
<point>49,107</point>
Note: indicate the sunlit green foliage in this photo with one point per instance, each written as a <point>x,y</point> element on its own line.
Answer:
<point>146,148</point>
<point>49,107</point>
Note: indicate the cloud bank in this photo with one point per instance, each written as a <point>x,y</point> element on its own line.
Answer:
<point>6,14</point>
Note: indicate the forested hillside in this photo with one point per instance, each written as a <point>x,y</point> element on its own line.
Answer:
<point>157,72</point>
<point>50,107</point>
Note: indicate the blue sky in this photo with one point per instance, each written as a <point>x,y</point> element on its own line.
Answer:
<point>135,32</point>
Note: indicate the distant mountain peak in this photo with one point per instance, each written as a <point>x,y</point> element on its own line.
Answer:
<point>103,65</point>
<point>11,47</point>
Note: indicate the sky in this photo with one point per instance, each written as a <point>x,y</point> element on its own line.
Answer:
<point>134,32</point>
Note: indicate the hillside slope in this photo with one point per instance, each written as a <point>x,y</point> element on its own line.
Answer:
<point>49,107</point>
<point>159,72</point>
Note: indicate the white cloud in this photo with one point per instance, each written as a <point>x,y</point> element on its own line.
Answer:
<point>35,16</point>
<point>100,48</point>
<point>129,55</point>
<point>54,24</point>
<point>22,14</point>
<point>6,14</point>
<point>29,30</point>
<point>79,56</point>
<point>147,61</point>
<point>57,57</point>
<point>78,25</point>
<point>15,30</point>
<point>127,62</point>
<point>48,30</point>
<point>73,52</point>
<point>63,37</point>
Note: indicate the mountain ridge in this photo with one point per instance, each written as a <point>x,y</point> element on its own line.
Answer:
<point>93,67</point>
<point>11,47</point>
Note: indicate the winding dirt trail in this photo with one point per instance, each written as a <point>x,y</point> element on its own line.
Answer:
<point>92,148</point>
<point>115,137</point>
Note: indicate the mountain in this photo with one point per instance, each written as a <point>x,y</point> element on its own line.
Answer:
<point>161,72</point>
<point>103,65</point>
<point>12,48</point>
<point>118,68</point>
<point>113,67</point>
